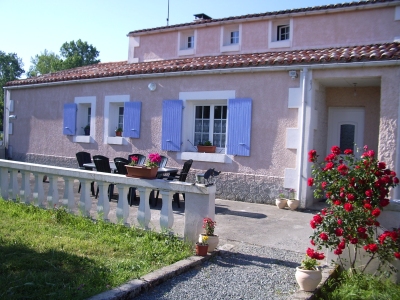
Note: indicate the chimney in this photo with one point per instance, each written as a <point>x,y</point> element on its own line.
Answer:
<point>201,17</point>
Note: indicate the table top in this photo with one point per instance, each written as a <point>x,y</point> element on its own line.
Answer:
<point>113,168</point>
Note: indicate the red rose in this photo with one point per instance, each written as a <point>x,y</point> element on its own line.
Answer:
<point>312,155</point>
<point>317,219</point>
<point>368,206</point>
<point>393,173</point>
<point>381,165</point>
<point>343,169</point>
<point>361,230</point>
<point>337,251</point>
<point>312,224</point>
<point>310,181</point>
<point>397,255</point>
<point>330,157</point>
<point>323,185</point>
<point>376,212</point>
<point>337,202</point>
<point>353,241</point>
<point>371,248</point>
<point>323,211</point>
<point>395,180</point>
<point>339,231</point>
<point>335,150</point>
<point>351,197</point>
<point>329,166</point>
<point>348,151</point>
<point>339,221</point>
<point>342,245</point>
<point>312,242</point>
<point>348,207</point>
<point>384,202</point>
<point>323,236</point>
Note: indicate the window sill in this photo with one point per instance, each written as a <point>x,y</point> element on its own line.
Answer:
<point>207,157</point>
<point>184,52</point>
<point>116,140</point>
<point>82,139</point>
<point>229,48</point>
<point>280,44</point>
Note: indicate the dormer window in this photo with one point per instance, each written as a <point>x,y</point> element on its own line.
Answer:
<point>283,32</point>
<point>231,37</point>
<point>186,43</point>
<point>280,33</point>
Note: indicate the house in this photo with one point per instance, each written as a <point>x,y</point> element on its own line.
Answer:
<point>264,88</point>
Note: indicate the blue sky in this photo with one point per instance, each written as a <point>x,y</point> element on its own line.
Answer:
<point>28,27</point>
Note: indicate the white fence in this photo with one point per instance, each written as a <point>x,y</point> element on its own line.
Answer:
<point>15,182</point>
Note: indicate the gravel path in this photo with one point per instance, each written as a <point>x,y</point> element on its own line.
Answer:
<point>245,272</point>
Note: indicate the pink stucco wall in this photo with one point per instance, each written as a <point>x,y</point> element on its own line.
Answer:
<point>359,27</point>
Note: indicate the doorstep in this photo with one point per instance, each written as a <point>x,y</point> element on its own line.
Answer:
<point>327,273</point>
<point>138,286</point>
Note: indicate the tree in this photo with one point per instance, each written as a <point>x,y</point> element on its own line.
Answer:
<point>10,69</point>
<point>72,55</point>
<point>78,54</point>
<point>44,63</point>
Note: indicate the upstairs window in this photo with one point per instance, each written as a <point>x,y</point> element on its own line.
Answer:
<point>283,32</point>
<point>190,42</point>
<point>235,37</point>
<point>186,42</point>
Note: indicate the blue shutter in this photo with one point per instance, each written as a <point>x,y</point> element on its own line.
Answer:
<point>239,126</point>
<point>172,125</point>
<point>132,112</point>
<point>69,126</point>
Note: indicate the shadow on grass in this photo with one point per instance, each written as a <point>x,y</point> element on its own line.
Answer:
<point>28,274</point>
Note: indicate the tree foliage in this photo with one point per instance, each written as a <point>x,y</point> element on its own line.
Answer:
<point>10,69</point>
<point>72,54</point>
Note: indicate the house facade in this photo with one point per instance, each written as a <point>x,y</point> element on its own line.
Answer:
<point>263,88</point>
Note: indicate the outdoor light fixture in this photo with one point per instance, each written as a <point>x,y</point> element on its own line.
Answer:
<point>293,74</point>
<point>12,117</point>
<point>152,86</point>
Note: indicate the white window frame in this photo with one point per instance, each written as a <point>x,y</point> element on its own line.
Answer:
<point>111,113</point>
<point>183,48</point>
<point>83,103</point>
<point>190,100</point>
<point>226,45</point>
<point>273,41</point>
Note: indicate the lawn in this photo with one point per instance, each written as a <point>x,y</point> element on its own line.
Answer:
<point>51,254</point>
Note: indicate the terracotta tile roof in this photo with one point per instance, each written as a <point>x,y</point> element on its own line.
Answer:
<point>347,55</point>
<point>269,14</point>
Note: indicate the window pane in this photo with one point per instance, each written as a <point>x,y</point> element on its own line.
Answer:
<point>217,140</point>
<point>199,112</point>
<point>347,136</point>
<point>198,125</point>
<point>223,126</point>
<point>206,114</point>
<point>206,126</point>
<point>197,138</point>
<point>217,112</point>
<point>224,111</point>
<point>205,137</point>
<point>223,138</point>
<point>217,126</point>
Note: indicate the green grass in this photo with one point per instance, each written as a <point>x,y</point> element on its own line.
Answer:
<point>51,254</point>
<point>360,287</point>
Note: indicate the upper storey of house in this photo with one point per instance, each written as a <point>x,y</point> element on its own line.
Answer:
<point>337,25</point>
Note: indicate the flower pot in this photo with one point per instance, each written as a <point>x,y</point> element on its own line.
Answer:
<point>201,250</point>
<point>308,280</point>
<point>141,172</point>
<point>293,203</point>
<point>281,202</point>
<point>206,149</point>
<point>118,133</point>
<point>213,241</point>
<point>87,131</point>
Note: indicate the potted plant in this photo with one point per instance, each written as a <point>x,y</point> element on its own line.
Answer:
<point>281,201</point>
<point>86,129</point>
<point>202,246</point>
<point>292,202</point>
<point>213,239</point>
<point>206,147</point>
<point>308,275</point>
<point>147,171</point>
<point>118,131</point>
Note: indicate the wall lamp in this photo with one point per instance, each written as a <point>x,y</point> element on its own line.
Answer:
<point>12,117</point>
<point>293,74</point>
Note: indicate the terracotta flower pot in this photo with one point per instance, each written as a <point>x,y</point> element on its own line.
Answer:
<point>281,202</point>
<point>118,133</point>
<point>212,241</point>
<point>293,203</point>
<point>201,250</point>
<point>308,280</point>
<point>141,172</point>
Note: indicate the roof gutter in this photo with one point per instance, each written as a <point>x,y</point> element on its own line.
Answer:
<point>215,71</point>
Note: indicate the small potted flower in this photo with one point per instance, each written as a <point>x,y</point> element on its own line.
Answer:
<point>202,246</point>
<point>206,147</point>
<point>281,201</point>
<point>213,239</point>
<point>118,131</point>
<point>308,275</point>
<point>147,171</point>
<point>86,129</point>
<point>292,202</point>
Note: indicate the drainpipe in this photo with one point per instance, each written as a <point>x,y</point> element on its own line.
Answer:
<point>302,134</point>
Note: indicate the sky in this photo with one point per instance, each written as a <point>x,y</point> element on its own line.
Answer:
<point>28,27</point>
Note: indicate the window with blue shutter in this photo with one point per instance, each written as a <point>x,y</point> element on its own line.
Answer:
<point>132,111</point>
<point>239,126</point>
<point>69,125</point>
<point>172,125</point>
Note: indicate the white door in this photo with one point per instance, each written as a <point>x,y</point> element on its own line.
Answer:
<point>345,128</point>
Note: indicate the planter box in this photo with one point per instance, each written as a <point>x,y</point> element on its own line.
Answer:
<point>206,149</point>
<point>141,172</point>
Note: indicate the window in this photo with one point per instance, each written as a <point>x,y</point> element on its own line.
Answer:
<point>230,38</point>
<point>235,37</point>
<point>186,42</point>
<point>114,118</point>
<point>210,124</point>
<point>282,32</point>
<point>120,117</point>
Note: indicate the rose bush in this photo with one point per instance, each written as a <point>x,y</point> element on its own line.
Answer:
<point>356,191</point>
